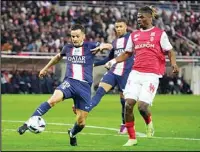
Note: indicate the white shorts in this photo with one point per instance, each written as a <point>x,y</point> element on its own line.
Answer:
<point>141,86</point>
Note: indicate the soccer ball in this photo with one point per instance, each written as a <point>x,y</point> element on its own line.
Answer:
<point>36,124</point>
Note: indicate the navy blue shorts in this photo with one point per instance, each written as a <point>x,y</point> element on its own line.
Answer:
<point>79,91</point>
<point>115,80</point>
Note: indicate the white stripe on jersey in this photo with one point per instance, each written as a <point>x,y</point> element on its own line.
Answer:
<point>77,69</point>
<point>119,68</point>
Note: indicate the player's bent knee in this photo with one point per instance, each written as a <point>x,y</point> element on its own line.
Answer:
<point>142,106</point>
<point>128,106</point>
<point>55,98</point>
<point>130,102</point>
<point>105,86</point>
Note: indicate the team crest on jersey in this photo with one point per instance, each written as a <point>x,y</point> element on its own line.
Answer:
<point>153,34</point>
<point>136,35</point>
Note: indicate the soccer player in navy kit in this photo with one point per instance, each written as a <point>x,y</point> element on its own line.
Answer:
<point>118,74</point>
<point>77,82</point>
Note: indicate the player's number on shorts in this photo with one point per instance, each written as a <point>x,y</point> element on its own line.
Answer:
<point>65,85</point>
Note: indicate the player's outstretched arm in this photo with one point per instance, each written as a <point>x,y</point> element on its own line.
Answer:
<point>52,62</point>
<point>172,58</point>
<point>105,60</point>
<point>118,59</point>
<point>101,47</point>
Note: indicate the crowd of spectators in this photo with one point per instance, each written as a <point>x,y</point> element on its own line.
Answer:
<point>27,82</point>
<point>37,26</point>
<point>173,84</point>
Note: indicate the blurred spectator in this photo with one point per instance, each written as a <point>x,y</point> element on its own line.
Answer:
<point>39,26</point>
<point>27,82</point>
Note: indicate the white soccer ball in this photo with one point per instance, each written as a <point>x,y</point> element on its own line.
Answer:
<point>36,124</point>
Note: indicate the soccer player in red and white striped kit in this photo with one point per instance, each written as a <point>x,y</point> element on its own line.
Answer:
<point>149,45</point>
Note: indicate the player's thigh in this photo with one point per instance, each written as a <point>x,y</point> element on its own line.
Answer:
<point>82,98</point>
<point>56,97</point>
<point>107,87</point>
<point>109,79</point>
<point>66,87</point>
<point>133,86</point>
<point>121,81</point>
<point>149,89</point>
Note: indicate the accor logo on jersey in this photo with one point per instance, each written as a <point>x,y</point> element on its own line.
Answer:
<point>76,59</point>
<point>144,45</point>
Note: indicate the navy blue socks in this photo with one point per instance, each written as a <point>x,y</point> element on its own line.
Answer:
<point>123,106</point>
<point>42,109</point>
<point>97,97</point>
<point>76,129</point>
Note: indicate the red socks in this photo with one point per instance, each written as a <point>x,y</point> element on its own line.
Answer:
<point>131,130</point>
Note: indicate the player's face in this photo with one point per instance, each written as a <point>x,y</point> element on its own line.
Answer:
<point>77,37</point>
<point>120,28</point>
<point>143,20</point>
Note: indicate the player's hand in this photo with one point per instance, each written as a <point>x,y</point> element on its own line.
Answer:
<point>110,63</point>
<point>175,68</point>
<point>96,50</point>
<point>42,73</point>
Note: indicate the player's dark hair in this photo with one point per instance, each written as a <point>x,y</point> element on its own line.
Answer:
<point>150,10</point>
<point>78,27</point>
<point>121,20</point>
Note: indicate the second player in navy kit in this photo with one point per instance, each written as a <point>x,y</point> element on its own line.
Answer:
<point>118,74</point>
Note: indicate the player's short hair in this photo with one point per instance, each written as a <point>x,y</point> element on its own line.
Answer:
<point>78,27</point>
<point>121,20</point>
<point>150,10</point>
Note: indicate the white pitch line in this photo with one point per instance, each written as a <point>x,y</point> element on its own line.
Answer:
<point>138,134</point>
<point>99,134</point>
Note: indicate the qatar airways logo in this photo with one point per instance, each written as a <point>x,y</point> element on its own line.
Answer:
<point>76,59</point>
<point>119,51</point>
<point>144,45</point>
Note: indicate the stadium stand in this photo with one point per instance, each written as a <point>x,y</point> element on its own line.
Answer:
<point>42,28</point>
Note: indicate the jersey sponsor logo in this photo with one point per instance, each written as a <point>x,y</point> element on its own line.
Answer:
<point>76,59</point>
<point>119,51</point>
<point>144,45</point>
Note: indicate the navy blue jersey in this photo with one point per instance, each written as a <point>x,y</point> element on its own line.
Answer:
<point>79,61</point>
<point>119,45</point>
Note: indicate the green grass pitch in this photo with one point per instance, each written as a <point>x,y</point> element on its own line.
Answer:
<point>176,121</point>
